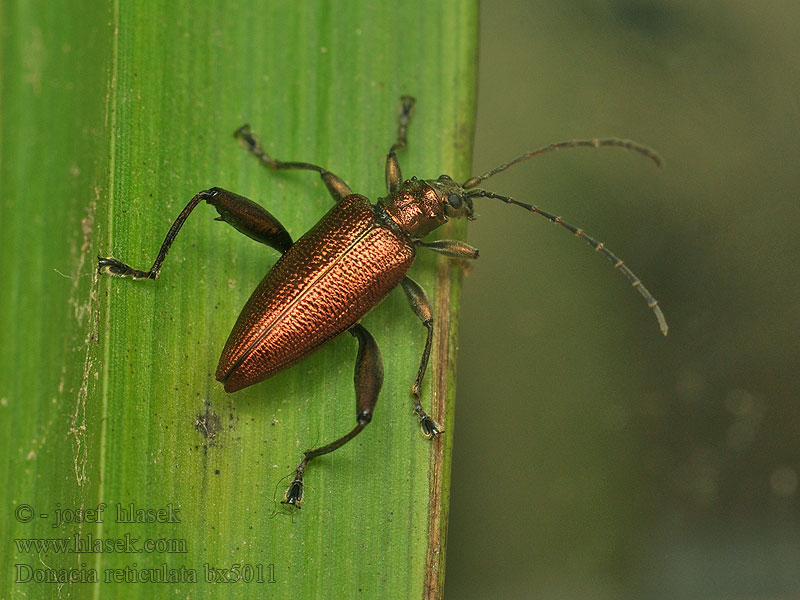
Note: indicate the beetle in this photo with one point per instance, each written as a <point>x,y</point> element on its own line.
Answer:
<point>327,280</point>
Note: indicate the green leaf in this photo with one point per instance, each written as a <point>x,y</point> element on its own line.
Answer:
<point>112,119</point>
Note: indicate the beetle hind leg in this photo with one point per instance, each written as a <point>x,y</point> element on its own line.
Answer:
<point>421,306</point>
<point>242,214</point>
<point>368,379</point>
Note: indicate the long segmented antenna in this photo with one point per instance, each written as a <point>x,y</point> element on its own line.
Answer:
<point>599,246</point>
<point>595,143</point>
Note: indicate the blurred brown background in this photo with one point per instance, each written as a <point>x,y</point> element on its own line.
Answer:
<point>593,457</point>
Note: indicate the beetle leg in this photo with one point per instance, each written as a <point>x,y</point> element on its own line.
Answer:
<point>242,214</point>
<point>422,308</point>
<point>368,380</point>
<point>450,248</point>
<point>337,188</point>
<point>394,177</point>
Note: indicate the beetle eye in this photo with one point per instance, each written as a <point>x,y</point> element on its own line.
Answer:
<point>445,178</point>
<point>454,200</point>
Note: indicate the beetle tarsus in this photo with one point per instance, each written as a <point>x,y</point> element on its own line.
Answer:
<point>244,135</point>
<point>430,428</point>
<point>294,495</point>
<point>112,266</point>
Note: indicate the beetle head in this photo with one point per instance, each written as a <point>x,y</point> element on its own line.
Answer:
<point>452,198</point>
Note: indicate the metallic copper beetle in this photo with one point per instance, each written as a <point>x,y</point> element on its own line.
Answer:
<point>331,277</point>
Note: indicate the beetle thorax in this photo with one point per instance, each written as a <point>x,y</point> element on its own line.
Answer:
<point>416,208</point>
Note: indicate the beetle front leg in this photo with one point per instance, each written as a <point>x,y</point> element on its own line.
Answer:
<point>368,379</point>
<point>337,188</point>
<point>394,177</point>
<point>422,308</point>
<point>242,214</point>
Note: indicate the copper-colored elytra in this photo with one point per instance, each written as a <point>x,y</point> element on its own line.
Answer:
<point>344,266</point>
<point>324,284</point>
